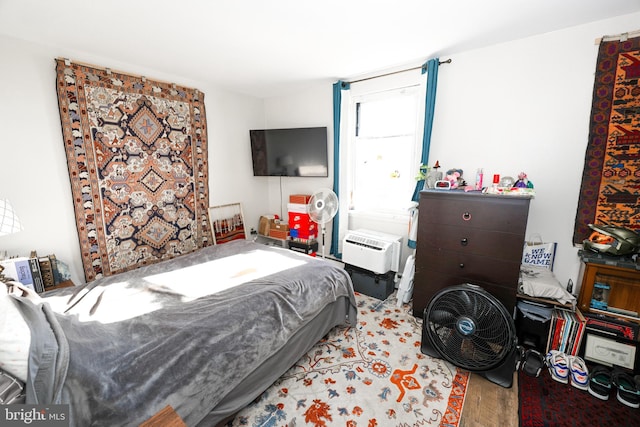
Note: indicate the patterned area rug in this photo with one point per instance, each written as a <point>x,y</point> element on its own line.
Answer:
<point>545,402</point>
<point>137,158</point>
<point>374,375</point>
<point>611,178</point>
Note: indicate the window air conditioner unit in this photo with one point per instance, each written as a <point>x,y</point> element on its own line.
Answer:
<point>372,250</point>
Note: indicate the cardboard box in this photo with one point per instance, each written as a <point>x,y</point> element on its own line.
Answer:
<point>297,208</point>
<point>302,234</point>
<point>302,222</point>
<point>297,217</point>
<point>302,199</point>
<point>279,230</point>
<point>309,248</point>
<point>266,223</point>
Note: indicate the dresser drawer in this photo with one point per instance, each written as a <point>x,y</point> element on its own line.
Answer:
<point>472,241</point>
<point>472,267</point>
<point>498,213</point>
<point>428,283</point>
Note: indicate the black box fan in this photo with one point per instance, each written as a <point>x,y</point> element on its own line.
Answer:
<point>470,328</point>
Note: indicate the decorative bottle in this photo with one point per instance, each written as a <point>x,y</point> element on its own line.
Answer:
<point>479,175</point>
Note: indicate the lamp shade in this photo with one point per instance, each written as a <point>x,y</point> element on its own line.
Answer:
<point>9,222</point>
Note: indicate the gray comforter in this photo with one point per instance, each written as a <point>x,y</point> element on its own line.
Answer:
<point>183,333</point>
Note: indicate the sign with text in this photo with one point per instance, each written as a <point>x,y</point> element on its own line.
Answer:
<point>540,254</point>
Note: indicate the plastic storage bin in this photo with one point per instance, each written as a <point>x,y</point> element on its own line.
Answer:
<point>366,282</point>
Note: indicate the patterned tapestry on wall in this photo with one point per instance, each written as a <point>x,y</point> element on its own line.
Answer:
<point>610,188</point>
<point>137,159</point>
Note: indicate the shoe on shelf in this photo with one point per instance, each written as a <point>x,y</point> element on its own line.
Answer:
<point>533,363</point>
<point>579,373</point>
<point>628,392</point>
<point>558,366</point>
<point>600,383</point>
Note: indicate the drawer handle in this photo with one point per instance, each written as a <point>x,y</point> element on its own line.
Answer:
<point>466,216</point>
<point>464,241</point>
<point>461,265</point>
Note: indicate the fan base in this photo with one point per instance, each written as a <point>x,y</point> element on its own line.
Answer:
<point>501,374</point>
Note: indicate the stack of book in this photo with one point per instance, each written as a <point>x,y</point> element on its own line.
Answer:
<point>35,272</point>
<point>566,331</point>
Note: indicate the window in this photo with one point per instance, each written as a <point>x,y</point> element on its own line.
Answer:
<point>385,146</point>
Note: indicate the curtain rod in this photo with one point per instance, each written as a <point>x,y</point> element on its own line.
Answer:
<point>448,61</point>
<point>622,37</point>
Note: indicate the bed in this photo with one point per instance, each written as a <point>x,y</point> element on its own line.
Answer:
<point>205,333</point>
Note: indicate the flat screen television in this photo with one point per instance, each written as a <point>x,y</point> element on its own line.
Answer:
<point>290,152</point>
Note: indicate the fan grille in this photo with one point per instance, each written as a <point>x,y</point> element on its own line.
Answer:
<point>470,328</point>
<point>323,205</point>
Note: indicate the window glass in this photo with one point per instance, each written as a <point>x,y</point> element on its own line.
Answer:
<point>385,150</point>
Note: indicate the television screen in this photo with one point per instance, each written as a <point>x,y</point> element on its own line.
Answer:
<point>290,152</point>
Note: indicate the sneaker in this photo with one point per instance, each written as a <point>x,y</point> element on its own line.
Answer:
<point>520,355</point>
<point>600,383</point>
<point>579,373</point>
<point>628,392</point>
<point>558,366</point>
<point>533,363</point>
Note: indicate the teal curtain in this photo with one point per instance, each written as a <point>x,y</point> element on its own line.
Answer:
<point>431,68</point>
<point>338,87</point>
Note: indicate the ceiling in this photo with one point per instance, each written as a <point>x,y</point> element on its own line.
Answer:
<point>261,47</point>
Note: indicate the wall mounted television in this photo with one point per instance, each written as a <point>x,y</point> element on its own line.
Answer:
<point>290,152</point>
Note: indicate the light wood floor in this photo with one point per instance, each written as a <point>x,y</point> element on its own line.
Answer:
<point>488,404</point>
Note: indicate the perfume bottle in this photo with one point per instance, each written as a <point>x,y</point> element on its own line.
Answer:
<point>479,176</point>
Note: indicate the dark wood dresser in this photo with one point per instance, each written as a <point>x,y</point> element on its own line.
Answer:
<point>469,238</point>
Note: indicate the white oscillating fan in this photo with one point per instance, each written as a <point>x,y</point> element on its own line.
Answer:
<point>323,206</point>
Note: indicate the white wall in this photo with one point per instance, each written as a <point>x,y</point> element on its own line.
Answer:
<point>525,106</point>
<point>307,108</point>
<point>33,172</point>
<point>518,106</point>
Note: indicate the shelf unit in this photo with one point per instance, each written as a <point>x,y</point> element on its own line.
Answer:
<point>612,337</point>
<point>623,280</point>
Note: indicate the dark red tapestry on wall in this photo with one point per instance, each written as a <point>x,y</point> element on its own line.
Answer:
<point>610,188</point>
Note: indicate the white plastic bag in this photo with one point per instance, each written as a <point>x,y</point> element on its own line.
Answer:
<point>539,253</point>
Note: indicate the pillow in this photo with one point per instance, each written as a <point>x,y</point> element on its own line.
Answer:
<point>15,336</point>
<point>540,282</point>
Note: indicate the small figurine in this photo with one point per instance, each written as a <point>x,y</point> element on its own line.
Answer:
<point>523,181</point>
